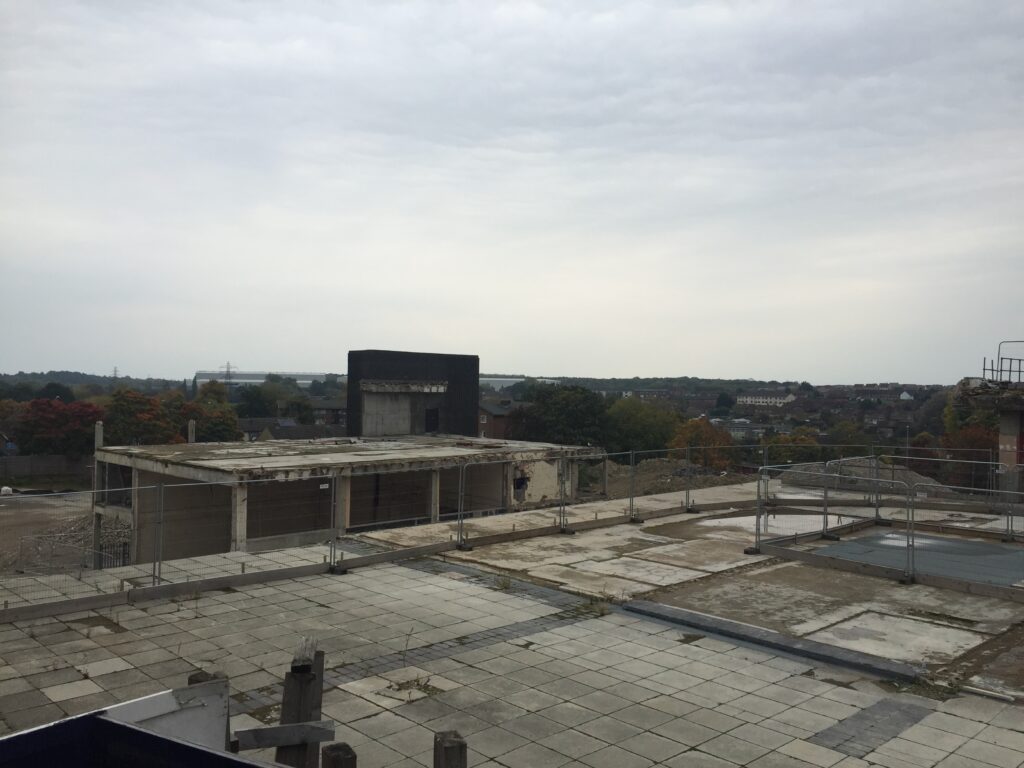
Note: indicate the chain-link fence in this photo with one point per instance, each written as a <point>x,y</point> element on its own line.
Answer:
<point>65,545</point>
<point>58,546</point>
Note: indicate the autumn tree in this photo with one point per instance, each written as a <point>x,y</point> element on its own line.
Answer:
<point>216,420</point>
<point>56,427</point>
<point>712,441</point>
<point>136,419</point>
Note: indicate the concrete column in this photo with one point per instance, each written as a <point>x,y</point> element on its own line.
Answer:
<point>239,516</point>
<point>342,502</point>
<point>191,430</point>
<point>434,502</point>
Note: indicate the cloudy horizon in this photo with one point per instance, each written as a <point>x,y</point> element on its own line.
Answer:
<point>827,192</point>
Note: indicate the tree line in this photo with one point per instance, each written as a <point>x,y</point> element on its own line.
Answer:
<point>60,424</point>
<point>574,415</point>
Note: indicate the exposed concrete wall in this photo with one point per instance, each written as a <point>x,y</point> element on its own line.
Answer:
<point>276,508</point>
<point>393,413</point>
<point>196,519</point>
<point>542,483</point>
<point>391,497</point>
<point>386,414</point>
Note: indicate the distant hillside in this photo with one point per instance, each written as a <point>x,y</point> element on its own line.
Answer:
<point>76,378</point>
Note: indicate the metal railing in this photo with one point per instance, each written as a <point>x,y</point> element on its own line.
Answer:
<point>944,509</point>
<point>1003,369</point>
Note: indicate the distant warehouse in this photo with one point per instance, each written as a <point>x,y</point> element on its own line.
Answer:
<point>233,379</point>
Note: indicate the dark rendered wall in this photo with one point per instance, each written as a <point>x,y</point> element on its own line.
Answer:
<point>458,411</point>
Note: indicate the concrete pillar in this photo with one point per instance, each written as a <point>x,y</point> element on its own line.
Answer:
<point>434,502</point>
<point>510,486</point>
<point>191,430</point>
<point>342,502</point>
<point>239,516</point>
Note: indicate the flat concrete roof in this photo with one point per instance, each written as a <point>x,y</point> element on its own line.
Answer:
<point>327,456</point>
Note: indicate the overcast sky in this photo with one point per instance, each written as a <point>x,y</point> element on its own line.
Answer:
<point>829,191</point>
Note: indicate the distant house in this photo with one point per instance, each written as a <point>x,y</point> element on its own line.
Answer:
<point>271,428</point>
<point>906,396</point>
<point>493,418</point>
<point>332,412</point>
<point>742,430</point>
<point>7,446</point>
<point>769,398</point>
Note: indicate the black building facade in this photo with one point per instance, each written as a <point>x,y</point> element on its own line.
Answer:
<point>412,393</point>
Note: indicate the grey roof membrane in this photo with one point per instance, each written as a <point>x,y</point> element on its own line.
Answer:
<point>986,562</point>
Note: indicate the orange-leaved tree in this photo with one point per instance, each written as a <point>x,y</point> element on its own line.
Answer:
<point>709,444</point>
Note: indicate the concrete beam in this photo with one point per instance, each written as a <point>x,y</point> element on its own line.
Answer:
<point>173,469</point>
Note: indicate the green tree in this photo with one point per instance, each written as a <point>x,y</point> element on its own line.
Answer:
<point>54,391</point>
<point>847,433</point>
<point>798,447</point>
<point>973,442</point>
<point>212,392</point>
<point>564,415</point>
<point>634,425</point>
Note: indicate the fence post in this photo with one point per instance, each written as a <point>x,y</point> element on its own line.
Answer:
<point>632,485</point>
<point>689,478</point>
<point>758,516</point>
<point>563,521</point>
<point>450,750</point>
<point>908,531</point>
<point>604,476</point>
<point>334,520</point>
<point>97,537</point>
<point>460,537</point>
<point>878,486</point>
<point>158,534</point>
<point>824,508</point>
